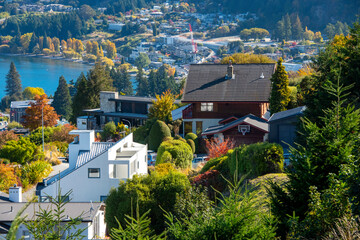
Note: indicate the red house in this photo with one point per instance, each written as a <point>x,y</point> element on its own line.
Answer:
<point>223,97</point>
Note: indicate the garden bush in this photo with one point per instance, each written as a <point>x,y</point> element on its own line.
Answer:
<point>158,132</point>
<point>6,136</point>
<point>36,135</point>
<point>34,172</point>
<point>193,137</point>
<point>7,176</point>
<point>257,159</point>
<point>191,144</point>
<point>181,153</point>
<point>13,125</point>
<point>156,191</point>
<point>20,151</point>
<point>109,131</point>
<point>141,133</point>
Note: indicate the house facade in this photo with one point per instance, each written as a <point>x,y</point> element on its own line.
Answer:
<point>17,109</point>
<point>218,94</point>
<point>95,167</point>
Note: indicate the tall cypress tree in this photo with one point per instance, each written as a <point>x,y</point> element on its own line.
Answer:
<point>297,29</point>
<point>126,82</point>
<point>142,83</point>
<point>33,41</point>
<point>280,92</point>
<point>153,86</point>
<point>287,23</point>
<point>62,99</point>
<point>13,82</point>
<point>81,98</point>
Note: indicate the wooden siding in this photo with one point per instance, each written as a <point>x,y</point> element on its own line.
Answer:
<point>255,135</point>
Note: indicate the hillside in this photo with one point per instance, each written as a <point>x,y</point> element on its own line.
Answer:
<point>313,13</point>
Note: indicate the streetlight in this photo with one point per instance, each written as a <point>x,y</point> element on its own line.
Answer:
<point>128,122</point>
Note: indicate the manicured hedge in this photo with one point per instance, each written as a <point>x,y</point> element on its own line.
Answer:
<point>193,137</point>
<point>158,132</point>
<point>257,159</point>
<point>181,153</point>
<point>191,144</point>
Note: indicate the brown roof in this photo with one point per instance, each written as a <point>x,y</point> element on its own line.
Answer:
<point>208,83</point>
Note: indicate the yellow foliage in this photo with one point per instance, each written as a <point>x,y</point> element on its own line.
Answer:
<point>162,107</point>
<point>107,61</point>
<point>241,58</point>
<point>30,92</point>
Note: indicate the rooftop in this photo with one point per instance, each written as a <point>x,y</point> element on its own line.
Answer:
<point>208,83</point>
<point>287,113</point>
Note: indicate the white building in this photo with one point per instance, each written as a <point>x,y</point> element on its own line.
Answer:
<point>95,167</point>
<point>92,215</point>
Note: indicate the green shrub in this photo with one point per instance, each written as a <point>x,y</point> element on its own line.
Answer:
<point>257,159</point>
<point>34,172</point>
<point>21,151</point>
<point>181,153</point>
<point>61,146</point>
<point>14,125</point>
<point>193,137</point>
<point>154,191</point>
<point>141,133</point>
<point>214,163</point>
<point>191,144</point>
<point>109,131</point>
<point>158,132</point>
<point>36,135</point>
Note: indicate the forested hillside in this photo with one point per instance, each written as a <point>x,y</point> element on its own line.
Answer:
<point>313,13</point>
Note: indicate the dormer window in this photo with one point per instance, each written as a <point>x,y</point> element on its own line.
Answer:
<point>207,107</point>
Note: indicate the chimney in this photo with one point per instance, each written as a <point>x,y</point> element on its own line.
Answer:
<point>15,194</point>
<point>230,70</point>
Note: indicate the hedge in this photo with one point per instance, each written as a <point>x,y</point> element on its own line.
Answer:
<point>181,153</point>
<point>158,132</point>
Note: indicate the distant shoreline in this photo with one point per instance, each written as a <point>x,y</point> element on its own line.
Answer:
<point>47,57</point>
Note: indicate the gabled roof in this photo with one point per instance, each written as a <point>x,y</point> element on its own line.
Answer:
<point>250,119</point>
<point>87,210</point>
<point>97,148</point>
<point>208,83</point>
<point>287,113</point>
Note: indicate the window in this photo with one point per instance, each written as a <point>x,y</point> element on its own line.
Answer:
<point>94,172</point>
<point>119,171</point>
<point>65,198</point>
<point>207,107</point>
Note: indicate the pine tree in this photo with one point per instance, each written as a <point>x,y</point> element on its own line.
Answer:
<point>287,24</point>
<point>33,42</point>
<point>127,87</point>
<point>153,86</point>
<point>297,29</point>
<point>142,83</point>
<point>13,82</point>
<point>280,92</point>
<point>280,30</point>
<point>81,98</point>
<point>45,42</point>
<point>62,99</point>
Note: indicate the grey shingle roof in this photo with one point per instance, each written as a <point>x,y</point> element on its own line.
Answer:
<point>207,83</point>
<point>72,209</point>
<point>24,104</point>
<point>249,119</point>
<point>287,113</point>
<point>97,148</point>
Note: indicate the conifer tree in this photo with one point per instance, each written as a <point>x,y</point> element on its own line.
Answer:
<point>287,24</point>
<point>13,82</point>
<point>297,29</point>
<point>81,98</point>
<point>45,42</point>
<point>153,86</point>
<point>280,92</point>
<point>33,42</point>
<point>142,83</point>
<point>62,99</point>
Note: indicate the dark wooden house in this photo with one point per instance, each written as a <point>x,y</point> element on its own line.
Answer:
<point>219,94</point>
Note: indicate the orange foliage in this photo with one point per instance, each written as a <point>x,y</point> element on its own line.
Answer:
<point>7,176</point>
<point>61,134</point>
<point>33,116</point>
<point>7,136</point>
<point>217,148</point>
<point>305,71</point>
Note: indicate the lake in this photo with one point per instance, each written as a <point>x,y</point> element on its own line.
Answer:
<point>40,72</point>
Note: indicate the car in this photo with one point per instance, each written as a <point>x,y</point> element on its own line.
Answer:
<point>151,158</point>
<point>199,159</point>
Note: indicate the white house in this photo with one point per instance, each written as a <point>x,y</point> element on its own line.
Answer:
<point>95,167</point>
<point>92,215</point>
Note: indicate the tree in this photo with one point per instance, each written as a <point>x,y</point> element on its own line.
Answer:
<point>7,176</point>
<point>317,165</point>
<point>81,98</point>
<point>162,107</point>
<point>31,92</point>
<point>216,147</point>
<point>13,82</point>
<point>49,222</point>
<point>33,114</point>
<point>280,30</point>
<point>153,86</point>
<point>62,99</point>
<point>142,83</point>
<point>287,27</point>
<point>122,80</point>
<point>297,30</point>
<point>280,92</point>
<point>109,131</point>
<point>245,34</point>
<point>86,12</point>
<point>241,58</point>
<point>142,61</point>
<point>308,34</point>
<point>6,136</point>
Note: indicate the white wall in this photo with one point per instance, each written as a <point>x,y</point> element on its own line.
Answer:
<point>86,138</point>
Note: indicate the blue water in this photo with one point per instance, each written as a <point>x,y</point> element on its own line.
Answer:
<point>39,72</point>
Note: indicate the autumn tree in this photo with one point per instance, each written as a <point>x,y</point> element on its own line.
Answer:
<point>7,176</point>
<point>33,116</point>
<point>30,92</point>
<point>241,58</point>
<point>280,92</point>
<point>162,107</point>
<point>13,82</point>
<point>62,99</point>
<point>217,147</point>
